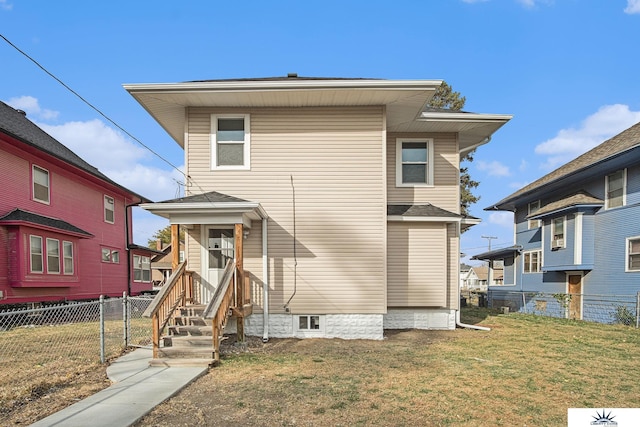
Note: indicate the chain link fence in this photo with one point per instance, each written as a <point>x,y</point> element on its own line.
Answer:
<point>82,332</point>
<point>621,309</point>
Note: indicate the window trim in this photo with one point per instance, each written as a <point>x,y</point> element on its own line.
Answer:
<point>624,189</point>
<point>524,264</point>
<point>553,233</point>
<point>246,142</point>
<point>57,264</point>
<point>33,184</point>
<point>627,254</point>
<point>107,255</point>
<point>300,332</point>
<point>529,212</point>
<point>66,243</point>
<point>429,165</point>
<point>141,269</point>
<point>31,253</point>
<point>104,211</point>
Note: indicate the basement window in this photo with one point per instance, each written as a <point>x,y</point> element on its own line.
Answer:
<point>309,325</point>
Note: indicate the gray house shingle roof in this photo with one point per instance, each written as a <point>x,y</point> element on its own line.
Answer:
<point>15,124</point>
<point>210,197</point>
<point>581,198</point>
<point>20,216</point>
<point>624,141</point>
<point>426,210</point>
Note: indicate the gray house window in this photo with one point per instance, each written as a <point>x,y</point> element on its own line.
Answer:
<point>615,185</point>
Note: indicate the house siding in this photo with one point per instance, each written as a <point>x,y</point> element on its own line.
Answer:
<point>445,193</point>
<point>417,265</point>
<point>76,200</point>
<point>340,205</point>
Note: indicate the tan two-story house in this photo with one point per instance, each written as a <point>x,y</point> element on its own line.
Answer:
<point>345,191</point>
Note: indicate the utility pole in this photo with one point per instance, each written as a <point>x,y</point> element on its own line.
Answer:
<point>489,238</point>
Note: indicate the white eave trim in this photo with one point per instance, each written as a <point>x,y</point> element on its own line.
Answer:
<point>253,85</point>
<point>236,207</point>
<point>431,116</point>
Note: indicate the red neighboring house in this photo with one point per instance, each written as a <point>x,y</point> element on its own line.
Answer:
<point>65,228</point>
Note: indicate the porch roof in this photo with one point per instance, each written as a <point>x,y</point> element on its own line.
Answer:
<point>425,212</point>
<point>497,253</point>
<point>582,199</point>
<point>207,208</point>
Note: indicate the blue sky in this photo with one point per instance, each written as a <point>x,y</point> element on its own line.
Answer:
<point>566,69</point>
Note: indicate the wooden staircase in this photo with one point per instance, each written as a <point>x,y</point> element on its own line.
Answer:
<point>188,339</point>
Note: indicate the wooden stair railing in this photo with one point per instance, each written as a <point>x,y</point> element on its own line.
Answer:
<point>177,290</point>
<point>218,307</point>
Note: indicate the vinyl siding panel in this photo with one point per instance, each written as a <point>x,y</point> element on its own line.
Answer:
<point>417,265</point>
<point>333,159</point>
<point>445,192</point>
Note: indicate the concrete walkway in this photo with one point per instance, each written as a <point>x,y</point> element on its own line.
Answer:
<point>137,389</point>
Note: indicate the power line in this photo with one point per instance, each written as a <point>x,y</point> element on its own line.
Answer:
<point>96,109</point>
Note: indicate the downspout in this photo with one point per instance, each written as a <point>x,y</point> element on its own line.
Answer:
<point>265,282</point>
<point>458,322</point>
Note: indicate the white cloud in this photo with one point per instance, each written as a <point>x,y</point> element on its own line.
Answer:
<point>4,4</point>
<point>494,168</point>
<point>518,185</point>
<point>503,219</point>
<point>523,165</point>
<point>31,106</point>
<point>569,143</point>
<point>633,7</point>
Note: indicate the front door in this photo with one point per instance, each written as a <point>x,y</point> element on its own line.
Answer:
<point>575,290</point>
<point>220,249</point>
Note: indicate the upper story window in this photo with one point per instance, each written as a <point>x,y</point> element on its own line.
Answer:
<point>532,261</point>
<point>109,255</point>
<point>40,178</point>
<point>414,162</point>
<point>109,209</point>
<point>532,208</point>
<point>615,185</point>
<point>230,142</point>
<point>633,254</point>
<point>557,233</point>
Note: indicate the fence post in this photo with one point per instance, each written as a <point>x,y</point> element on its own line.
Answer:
<point>125,317</point>
<point>101,328</point>
<point>638,310</point>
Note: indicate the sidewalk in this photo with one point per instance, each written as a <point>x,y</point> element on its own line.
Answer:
<point>137,389</point>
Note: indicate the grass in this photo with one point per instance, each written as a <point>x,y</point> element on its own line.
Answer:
<point>49,367</point>
<point>526,371</point>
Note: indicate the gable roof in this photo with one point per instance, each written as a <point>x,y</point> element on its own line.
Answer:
<point>20,217</point>
<point>15,124</point>
<point>579,199</point>
<point>625,141</point>
<point>404,101</point>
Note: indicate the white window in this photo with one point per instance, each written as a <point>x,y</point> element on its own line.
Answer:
<point>109,209</point>
<point>309,326</point>
<point>141,268</point>
<point>615,185</point>
<point>67,254</point>
<point>532,261</point>
<point>109,255</point>
<point>532,208</point>
<point>414,162</point>
<point>230,142</point>
<point>115,257</point>
<point>40,178</point>
<point>35,252</point>
<point>557,233</point>
<point>53,256</point>
<point>633,254</point>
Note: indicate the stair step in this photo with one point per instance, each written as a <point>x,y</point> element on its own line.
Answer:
<point>189,330</point>
<point>187,341</point>
<point>199,352</point>
<point>192,310</point>
<point>191,321</point>
<point>204,362</point>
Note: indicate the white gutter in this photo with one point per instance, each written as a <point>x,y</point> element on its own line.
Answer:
<point>265,282</point>
<point>464,325</point>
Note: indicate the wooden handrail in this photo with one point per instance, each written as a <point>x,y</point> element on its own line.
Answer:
<point>173,294</point>
<point>218,307</point>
